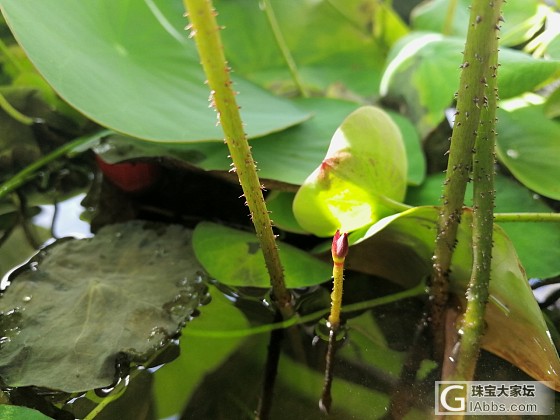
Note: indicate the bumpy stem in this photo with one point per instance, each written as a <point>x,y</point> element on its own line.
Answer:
<point>206,32</point>
<point>472,328</point>
<point>476,71</point>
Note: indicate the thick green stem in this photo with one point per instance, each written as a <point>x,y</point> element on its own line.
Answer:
<point>281,42</point>
<point>206,32</point>
<point>473,324</point>
<point>476,71</point>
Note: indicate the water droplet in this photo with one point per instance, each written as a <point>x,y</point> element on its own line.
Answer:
<point>323,331</point>
<point>26,298</point>
<point>514,154</point>
<point>182,282</point>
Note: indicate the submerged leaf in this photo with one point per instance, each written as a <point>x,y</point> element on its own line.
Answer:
<point>365,164</point>
<point>516,329</point>
<point>175,383</point>
<point>82,306</point>
<point>235,258</point>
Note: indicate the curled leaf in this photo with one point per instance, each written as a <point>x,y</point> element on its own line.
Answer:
<point>365,164</point>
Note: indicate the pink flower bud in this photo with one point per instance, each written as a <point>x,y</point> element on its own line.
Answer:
<point>339,247</point>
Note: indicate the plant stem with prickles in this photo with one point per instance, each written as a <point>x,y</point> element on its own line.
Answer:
<point>473,324</point>
<point>206,33</point>
<point>476,70</point>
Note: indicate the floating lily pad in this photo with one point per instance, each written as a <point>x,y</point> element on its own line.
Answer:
<point>235,258</point>
<point>146,83</point>
<point>81,306</point>
<point>346,54</point>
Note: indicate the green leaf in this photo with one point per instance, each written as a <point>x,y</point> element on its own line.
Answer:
<point>523,18</point>
<point>145,82</point>
<point>234,258</point>
<point>539,258</point>
<point>347,53</point>
<point>175,382</point>
<point>82,304</point>
<point>288,156</point>
<point>528,145</point>
<point>12,412</point>
<point>400,248</point>
<point>279,204</point>
<point>552,105</point>
<point>413,146</point>
<point>423,69</point>
<point>365,164</point>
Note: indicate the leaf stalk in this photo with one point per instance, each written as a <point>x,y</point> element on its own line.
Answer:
<point>471,98</point>
<point>206,32</point>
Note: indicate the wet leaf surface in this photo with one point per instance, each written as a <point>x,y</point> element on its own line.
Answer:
<point>81,306</point>
<point>528,144</point>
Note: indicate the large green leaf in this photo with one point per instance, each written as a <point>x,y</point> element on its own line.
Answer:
<point>523,18</point>
<point>540,258</point>
<point>529,145</point>
<point>234,257</point>
<point>347,53</point>
<point>423,69</point>
<point>400,248</point>
<point>288,156</point>
<point>81,305</point>
<point>129,66</point>
<point>365,164</point>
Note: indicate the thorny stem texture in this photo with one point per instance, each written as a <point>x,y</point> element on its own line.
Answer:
<point>472,328</point>
<point>476,70</point>
<point>206,32</point>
